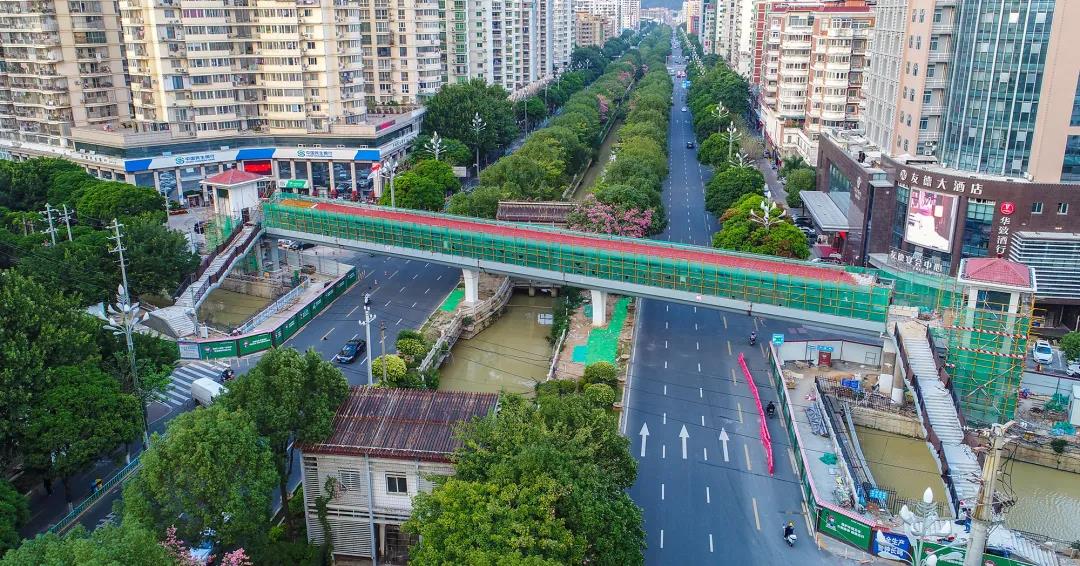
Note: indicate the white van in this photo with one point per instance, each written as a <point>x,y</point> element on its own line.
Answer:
<point>204,390</point>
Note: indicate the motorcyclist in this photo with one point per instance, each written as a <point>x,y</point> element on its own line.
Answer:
<point>770,409</point>
<point>789,530</point>
<point>753,336</point>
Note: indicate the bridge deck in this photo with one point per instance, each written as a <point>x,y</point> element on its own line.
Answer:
<point>656,249</point>
<point>638,267</point>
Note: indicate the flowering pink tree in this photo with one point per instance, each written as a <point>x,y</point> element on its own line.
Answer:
<point>180,552</point>
<point>595,216</point>
<point>602,106</point>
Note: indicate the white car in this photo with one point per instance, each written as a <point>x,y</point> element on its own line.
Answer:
<point>1073,369</point>
<point>1042,352</point>
<point>684,109</point>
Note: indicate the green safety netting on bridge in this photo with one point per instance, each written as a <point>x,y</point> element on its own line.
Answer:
<point>422,232</point>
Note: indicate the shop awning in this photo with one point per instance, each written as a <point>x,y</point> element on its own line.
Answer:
<point>827,216</point>
<point>296,184</point>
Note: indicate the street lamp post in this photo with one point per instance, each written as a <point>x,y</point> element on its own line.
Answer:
<point>733,136</point>
<point>389,171</point>
<point>366,323</point>
<point>123,317</point>
<point>478,126</point>
<point>721,114</point>
<point>435,145</point>
<point>919,524</point>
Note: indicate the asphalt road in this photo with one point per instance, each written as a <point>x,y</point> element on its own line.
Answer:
<point>711,502</point>
<point>403,294</point>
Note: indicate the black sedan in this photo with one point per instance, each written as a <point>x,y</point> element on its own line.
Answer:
<point>350,351</point>
<point>689,145</point>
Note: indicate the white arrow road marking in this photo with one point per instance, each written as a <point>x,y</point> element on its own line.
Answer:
<point>684,435</point>
<point>644,437</point>
<point>723,440</point>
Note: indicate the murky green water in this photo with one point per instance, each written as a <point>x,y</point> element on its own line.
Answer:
<point>1048,501</point>
<point>511,355</point>
<point>903,464</point>
<point>226,310</point>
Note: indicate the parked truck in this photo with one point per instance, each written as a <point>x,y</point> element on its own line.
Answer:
<point>204,390</point>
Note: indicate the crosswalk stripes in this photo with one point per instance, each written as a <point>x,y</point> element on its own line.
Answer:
<point>179,390</point>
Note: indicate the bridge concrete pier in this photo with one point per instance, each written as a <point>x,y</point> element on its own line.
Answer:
<point>599,307</point>
<point>472,285</point>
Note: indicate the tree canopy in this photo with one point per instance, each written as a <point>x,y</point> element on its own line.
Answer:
<point>728,186</point>
<point>799,180</point>
<point>744,232</point>
<point>555,468</point>
<point>290,397</point>
<point>14,513</point>
<point>211,471</point>
<point>451,111</point>
<point>128,543</point>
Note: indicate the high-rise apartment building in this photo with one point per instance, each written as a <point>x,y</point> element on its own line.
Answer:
<point>495,40</point>
<point>61,66</point>
<point>629,14</point>
<point>734,33</point>
<point>708,26</point>
<point>970,145</point>
<point>658,14</point>
<point>810,71</point>
<point>691,13</point>
<point>591,29</point>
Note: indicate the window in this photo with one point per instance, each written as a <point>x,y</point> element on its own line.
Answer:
<point>1063,208</point>
<point>1070,166</point>
<point>1075,121</point>
<point>927,96</point>
<point>1036,208</point>
<point>924,123</point>
<point>397,484</point>
<point>922,16</point>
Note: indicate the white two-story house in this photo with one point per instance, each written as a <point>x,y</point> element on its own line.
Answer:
<point>385,446</point>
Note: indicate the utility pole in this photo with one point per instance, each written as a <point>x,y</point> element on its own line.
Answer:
<point>382,347</point>
<point>982,515</point>
<point>48,215</point>
<point>66,217</point>
<point>366,323</point>
<point>119,250</point>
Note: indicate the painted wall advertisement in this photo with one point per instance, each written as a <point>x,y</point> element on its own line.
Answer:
<point>930,219</point>
<point>845,528</point>
<point>955,556</point>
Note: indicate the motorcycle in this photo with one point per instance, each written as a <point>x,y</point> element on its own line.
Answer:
<point>770,410</point>
<point>753,339</point>
<point>791,539</point>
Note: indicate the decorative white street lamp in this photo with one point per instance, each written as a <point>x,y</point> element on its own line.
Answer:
<point>123,317</point>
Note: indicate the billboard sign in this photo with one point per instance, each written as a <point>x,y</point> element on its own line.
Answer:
<point>894,546</point>
<point>842,527</point>
<point>930,219</point>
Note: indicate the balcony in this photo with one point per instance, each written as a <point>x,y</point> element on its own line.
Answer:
<point>936,82</point>
<point>841,32</point>
<point>941,28</point>
<point>938,57</point>
<point>933,109</point>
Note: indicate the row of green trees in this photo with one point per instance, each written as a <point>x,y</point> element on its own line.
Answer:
<point>627,200</point>
<point>540,482</point>
<point>550,158</point>
<point>67,394</point>
<point>210,478</point>
<point>718,99</point>
<point>83,267</point>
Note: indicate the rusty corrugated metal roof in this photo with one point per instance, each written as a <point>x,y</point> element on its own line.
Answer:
<point>411,424</point>
<point>543,212</point>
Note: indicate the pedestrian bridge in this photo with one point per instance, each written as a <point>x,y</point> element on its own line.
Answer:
<point>765,286</point>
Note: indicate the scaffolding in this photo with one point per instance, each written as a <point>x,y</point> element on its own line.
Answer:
<point>987,346</point>
<point>658,268</point>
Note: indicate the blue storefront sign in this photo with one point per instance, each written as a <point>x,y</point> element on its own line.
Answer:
<point>778,339</point>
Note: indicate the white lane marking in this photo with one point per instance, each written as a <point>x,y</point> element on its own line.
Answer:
<point>663,451</point>
<point>708,496</point>
<point>733,379</point>
<point>438,278</point>
<point>327,333</point>
<point>661,492</point>
<point>402,290</point>
<point>665,390</point>
<point>428,290</point>
<point>757,519</point>
<point>699,366</point>
<point>725,321</point>
<point>702,420</point>
<point>666,327</point>
<point>706,454</point>
<point>697,345</point>
<point>665,418</point>
<point>695,326</point>
<point>746,451</point>
<point>413,306</point>
<point>729,348</point>
<point>661,538</point>
<point>665,364</point>
<point>710,542</point>
<point>387,303</point>
<point>738,406</point>
<point>665,345</point>
<point>415,276</point>
<point>398,322</point>
<point>352,311</point>
<point>701,392</point>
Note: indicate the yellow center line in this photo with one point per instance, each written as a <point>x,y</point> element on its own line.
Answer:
<point>746,450</point>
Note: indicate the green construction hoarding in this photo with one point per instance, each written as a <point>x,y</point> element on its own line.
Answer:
<point>842,527</point>
<point>215,350</point>
<point>256,343</point>
<point>955,557</point>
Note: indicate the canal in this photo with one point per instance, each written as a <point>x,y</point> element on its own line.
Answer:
<point>1047,500</point>
<point>225,310</point>
<point>512,355</point>
<point>902,464</point>
<point>592,174</point>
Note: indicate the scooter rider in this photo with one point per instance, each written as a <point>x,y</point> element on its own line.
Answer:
<point>789,532</point>
<point>770,409</point>
<point>753,337</point>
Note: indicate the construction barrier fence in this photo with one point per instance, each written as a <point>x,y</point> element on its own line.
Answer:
<point>264,339</point>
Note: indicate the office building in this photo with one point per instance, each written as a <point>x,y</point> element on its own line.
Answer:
<point>810,71</point>
<point>981,153</point>
<point>61,67</point>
